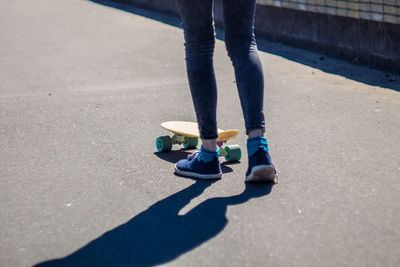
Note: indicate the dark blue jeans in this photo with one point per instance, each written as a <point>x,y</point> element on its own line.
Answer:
<point>198,25</point>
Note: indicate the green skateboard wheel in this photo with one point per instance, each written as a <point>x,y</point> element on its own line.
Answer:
<point>191,142</point>
<point>163,143</point>
<point>234,153</point>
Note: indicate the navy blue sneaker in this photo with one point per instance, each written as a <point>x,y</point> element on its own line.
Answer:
<point>197,168</point>
<point>261,168</point>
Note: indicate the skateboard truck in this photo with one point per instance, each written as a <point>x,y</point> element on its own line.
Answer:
<point>164,143</point>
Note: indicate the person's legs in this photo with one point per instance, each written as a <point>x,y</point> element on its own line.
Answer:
<point>198,26</point>
<point>199,32</point>
<point>242,49</point>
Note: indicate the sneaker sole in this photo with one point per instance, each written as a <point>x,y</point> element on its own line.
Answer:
<point>198,175</point>
<point>261,174</point>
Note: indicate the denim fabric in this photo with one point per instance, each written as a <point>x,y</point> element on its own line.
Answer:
<point>199,31</point>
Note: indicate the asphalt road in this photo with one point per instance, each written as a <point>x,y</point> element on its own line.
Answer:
<point>84,87</point>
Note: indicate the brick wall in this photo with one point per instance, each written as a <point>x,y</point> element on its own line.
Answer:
<point>377,10</point>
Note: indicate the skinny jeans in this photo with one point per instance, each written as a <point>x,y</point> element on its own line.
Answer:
<point>199,33</point>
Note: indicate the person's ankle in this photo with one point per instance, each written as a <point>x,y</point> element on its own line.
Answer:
<point>256,143</point>
<point>208,155</point>
<point>255,133</point>
<point>209,144</point>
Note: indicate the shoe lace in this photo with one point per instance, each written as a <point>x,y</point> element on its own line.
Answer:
<point>193,155</point>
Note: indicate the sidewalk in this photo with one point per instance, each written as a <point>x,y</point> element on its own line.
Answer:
<point>84,89</point>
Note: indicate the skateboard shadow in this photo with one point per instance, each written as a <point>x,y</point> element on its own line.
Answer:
<point>173,156</point>
<point>159,234</point>
<point>176,155</point>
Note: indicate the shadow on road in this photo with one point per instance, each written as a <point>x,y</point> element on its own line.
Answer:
<point>351,71</point>
<point>159,234</point>
<point>172,156</point>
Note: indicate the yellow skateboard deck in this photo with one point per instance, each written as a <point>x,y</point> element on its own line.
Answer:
<point>191,129</point>
<point>187,134</point>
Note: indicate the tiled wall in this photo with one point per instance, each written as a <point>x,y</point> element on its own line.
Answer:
<point>377,10</point>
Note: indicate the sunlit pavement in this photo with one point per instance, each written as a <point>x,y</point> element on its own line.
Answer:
<point>83,90</point>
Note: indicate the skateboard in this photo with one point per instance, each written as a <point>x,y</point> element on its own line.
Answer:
<point>187,134</point>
